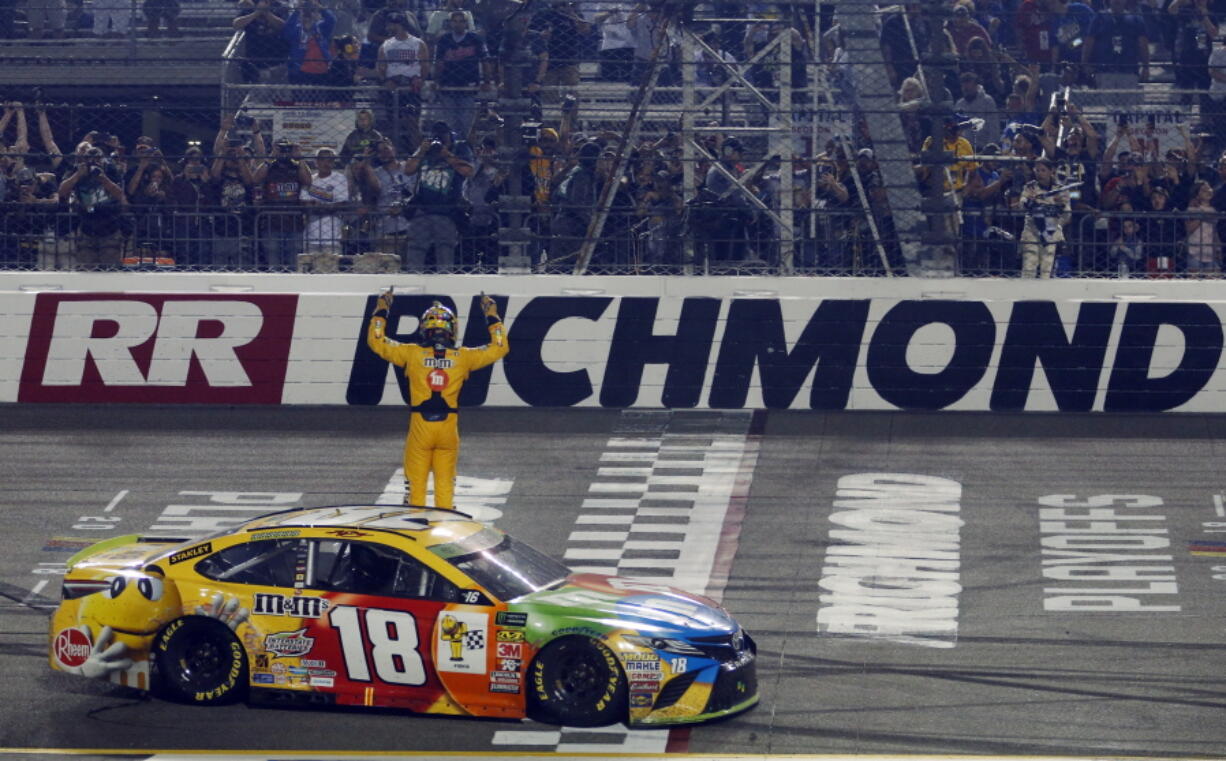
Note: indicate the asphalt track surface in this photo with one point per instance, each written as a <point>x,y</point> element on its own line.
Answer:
<point>1016,679</point>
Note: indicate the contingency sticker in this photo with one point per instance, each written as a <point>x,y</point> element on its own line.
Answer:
<point>462,642</point>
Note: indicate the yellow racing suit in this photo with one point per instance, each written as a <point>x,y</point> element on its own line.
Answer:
<point>435,378</point>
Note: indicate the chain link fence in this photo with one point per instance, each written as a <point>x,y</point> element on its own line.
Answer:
<point>931,139</point>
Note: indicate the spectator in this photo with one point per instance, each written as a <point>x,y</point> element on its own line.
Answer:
<point>41,205</point>
<point>436,207</point>
<point>1070,25</point>
<point>462,68</point>
<point>377,31</point>
<point>563,30</point>
<point>308,31</point>
<point>147,193</point>
<point>1076,156</point>
<point>1117,41</point>
<point>1047,211</point>
<point>980,60</point>
<point>191,196</point>
<point>1128,250</point>
<point>364,136</point>
<point>346,64</point>
<point>482,191</point>
<point>1161,233</point>
<point>1130,189</point>
<point>439,22</point>
<point>282,180</point>
<point>402,62</point>
<point>661,209</point>
<point>976,103</point>
<point>956,175</point>
<point>727,213</point>
<point>1196,31</point>
<point>616,41</point>
<point>264,47</point>
<point>112,18</point>
<point>393,190</point>
<point>157,11</point>
<point>1035,32</point>
<point>710,69</point>
<point>46,18</point>
<point>234,187</point>
<point>325,198</point>
<point>614,244</point>
<point>95,195</point>
<point>574,200</point>
<point>962,28</point>
<point>1204,245</point>
<point>897,35</point>
<point>911,99</point>
<point>541,173</point>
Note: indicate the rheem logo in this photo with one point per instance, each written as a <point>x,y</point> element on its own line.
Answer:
<point>162,349</point>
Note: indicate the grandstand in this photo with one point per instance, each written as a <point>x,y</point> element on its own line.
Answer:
<point>931,139</point>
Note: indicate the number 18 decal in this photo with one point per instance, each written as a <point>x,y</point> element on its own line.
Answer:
<point>391,637</point>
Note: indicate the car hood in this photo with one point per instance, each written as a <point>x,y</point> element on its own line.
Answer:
<point>613,602</point>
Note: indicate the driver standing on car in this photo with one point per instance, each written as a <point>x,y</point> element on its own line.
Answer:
<point>436,370</point>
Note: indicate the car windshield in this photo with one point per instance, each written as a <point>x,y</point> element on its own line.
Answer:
<point>507,568</point>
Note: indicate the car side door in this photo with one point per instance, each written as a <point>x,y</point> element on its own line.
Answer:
<point>383,606</point>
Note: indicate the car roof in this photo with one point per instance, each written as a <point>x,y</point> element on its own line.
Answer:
<point>425,526</point>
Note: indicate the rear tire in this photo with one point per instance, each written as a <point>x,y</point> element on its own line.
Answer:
<point>577,682</point>
<point>199,660</point>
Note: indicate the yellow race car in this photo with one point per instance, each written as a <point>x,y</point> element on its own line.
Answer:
<point>426,610</point>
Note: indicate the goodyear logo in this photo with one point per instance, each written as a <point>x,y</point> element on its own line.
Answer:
<point>505,635</point>
<point>191,552</point>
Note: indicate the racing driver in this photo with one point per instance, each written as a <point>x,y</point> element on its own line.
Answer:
<point>436,370</point>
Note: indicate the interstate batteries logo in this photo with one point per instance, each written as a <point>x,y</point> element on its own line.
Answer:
<point>207,348</point>
<point>289,644</point>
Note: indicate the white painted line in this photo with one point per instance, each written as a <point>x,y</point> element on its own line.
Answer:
<point>598,502</point>
<point>601,487</point>
<point>118,498</point>
<point>636,443</point>
<point>610,471</point>
<point>1219,506</point>
<point>668,512</point>
<point>580,553</point>
<point>526,737</point>
<point>34,593</point>
<point>598,536</point>
<point>606,520</point>
<point>650,544</point>
<point>628,457</point>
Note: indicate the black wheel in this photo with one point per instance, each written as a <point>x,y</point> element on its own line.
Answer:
<point>199,660</point>
<point>579,683</point>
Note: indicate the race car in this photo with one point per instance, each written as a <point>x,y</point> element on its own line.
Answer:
<point>421,609</point>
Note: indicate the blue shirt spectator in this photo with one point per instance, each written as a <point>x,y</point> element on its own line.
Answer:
<point>308,31</point>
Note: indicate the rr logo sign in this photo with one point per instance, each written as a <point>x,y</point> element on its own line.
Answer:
<point>158,348</point>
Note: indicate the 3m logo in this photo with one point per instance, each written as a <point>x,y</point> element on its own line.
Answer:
<point>159,349</point>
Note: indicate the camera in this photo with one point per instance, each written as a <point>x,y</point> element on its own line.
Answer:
<point>95,170</point>
<point>530,131</point>
<point>243,121</point>
<point>570,102</point>
<point>234,142</point>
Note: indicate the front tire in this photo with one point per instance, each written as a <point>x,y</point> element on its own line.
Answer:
<point>200,661</point>
<point>577,682</point>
